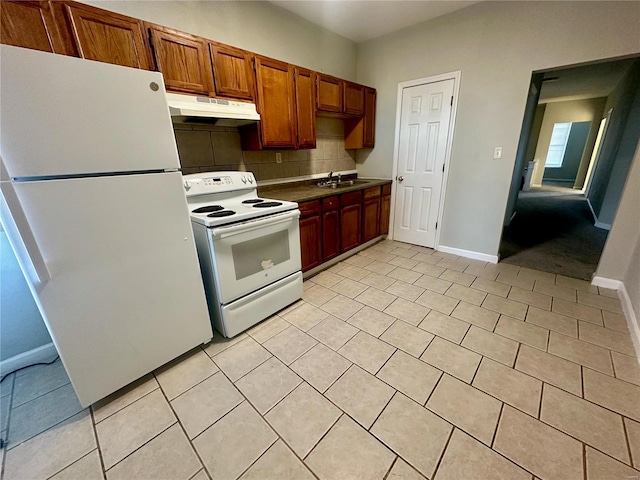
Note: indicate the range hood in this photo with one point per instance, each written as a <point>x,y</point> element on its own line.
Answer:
<point>191,109</point>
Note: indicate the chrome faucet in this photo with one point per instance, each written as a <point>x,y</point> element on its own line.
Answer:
<point>329,176</point>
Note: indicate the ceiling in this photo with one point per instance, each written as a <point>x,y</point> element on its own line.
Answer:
<point>361,20</point>
<point>588,81</point>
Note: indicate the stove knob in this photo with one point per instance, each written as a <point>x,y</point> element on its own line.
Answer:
<point>187,185</point>
<point>244,179</point>
<point>250,178</point>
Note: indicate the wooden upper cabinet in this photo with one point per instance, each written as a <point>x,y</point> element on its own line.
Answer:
<point>353,98</point>
<point>35,25</point>
<point>183,60</point>
<point>275,88</point>
<point>232,74</point>
<point>108,37</point>
<point>360,132</point>
<point>330,92</point>
<point>369,133</point>
<point>305,107</point>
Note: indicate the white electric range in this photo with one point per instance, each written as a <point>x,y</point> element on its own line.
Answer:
<point>249,249</point>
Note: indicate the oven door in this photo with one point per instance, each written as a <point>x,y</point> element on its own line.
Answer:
<point>253,254</point>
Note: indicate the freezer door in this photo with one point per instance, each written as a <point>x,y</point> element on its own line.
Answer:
<point>63,115</point>
<point>125,293</point>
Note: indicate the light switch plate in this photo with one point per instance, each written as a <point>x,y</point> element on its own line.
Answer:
<point>497,153</point>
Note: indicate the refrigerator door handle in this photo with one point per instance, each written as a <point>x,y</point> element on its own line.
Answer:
<point>21,237</point>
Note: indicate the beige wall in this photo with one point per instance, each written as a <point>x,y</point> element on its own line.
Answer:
<point>620,258</point>
<point>256,26</point>
<point>209,148</point>
<point>573,111</point>
<point>496,46</point>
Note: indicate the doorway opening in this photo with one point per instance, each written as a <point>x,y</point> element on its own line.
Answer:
<point>579,132</point>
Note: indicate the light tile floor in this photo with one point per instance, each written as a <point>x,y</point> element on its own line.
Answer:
<point>399,363</point>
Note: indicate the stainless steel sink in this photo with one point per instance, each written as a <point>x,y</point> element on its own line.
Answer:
<point>341,184</point>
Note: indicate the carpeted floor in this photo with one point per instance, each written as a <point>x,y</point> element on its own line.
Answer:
<point>553,231</point>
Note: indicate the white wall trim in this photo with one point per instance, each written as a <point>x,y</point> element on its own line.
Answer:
<point>455,76</point>
<point>609,283</point>
<point>627,307</point>
<point>632,320</point>
<point>468,254</point>
<point>604,226</point>
<point>45,353</point>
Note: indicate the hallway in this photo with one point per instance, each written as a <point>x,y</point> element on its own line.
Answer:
<point>553,231</point>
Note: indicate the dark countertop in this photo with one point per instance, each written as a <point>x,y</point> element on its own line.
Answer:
<point>306,191</point>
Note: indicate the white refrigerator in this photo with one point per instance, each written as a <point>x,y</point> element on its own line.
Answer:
<point>93,204</point>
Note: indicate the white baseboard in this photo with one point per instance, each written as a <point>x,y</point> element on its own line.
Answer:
<point>468,254</point>
<point>627,307</point>
<point>609,283</point>
<point>42,354</point>
<point>604,226</point>
<point>632,320</point>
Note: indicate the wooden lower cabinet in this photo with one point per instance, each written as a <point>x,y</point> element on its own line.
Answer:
<point>310,235</point>
<point>385,212</point>
<point>371,214</point>
<point>330,227</point>
<point>339,223</point>
<point>350,220</point>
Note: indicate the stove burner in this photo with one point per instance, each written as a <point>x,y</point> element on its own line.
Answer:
<point>267,204</point>
<point>208,208</point>
<point>253,200</point>
<point>223,213</point>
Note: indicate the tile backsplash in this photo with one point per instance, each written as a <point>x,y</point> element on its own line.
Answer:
<point>206,148</point>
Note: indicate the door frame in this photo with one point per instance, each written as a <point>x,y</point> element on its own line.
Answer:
<point>455,76</point>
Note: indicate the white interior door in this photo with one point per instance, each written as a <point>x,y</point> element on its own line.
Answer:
<point>424,132</point>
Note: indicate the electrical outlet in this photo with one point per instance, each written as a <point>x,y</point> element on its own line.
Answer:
<point>497,153</point>
<point>278,157</point>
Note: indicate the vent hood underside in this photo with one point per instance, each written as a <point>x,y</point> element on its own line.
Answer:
<point>191,109</point>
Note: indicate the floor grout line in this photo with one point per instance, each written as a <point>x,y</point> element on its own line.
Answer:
<point>397,458</point>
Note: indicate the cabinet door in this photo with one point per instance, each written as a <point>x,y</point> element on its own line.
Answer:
<point>350,227</point>
<point>329,96</point>
<point>371,214</point>
<point>108,37</point>
<point>360,132</point>
<point>32,25</point>
<point>305,107</point>
<point>369,118</point>
<point>310,238</point>
<point>331,234</point>
<point>385,210</point>
<point>183,60</point>
<point>330,227</point>
<point>353,98</point>
<point>276,102</point>
<point>232,74</point>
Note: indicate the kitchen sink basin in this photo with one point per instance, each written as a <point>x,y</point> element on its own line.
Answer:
<point>342,184</point>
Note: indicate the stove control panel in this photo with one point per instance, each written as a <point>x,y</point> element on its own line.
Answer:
<point>216,182</point>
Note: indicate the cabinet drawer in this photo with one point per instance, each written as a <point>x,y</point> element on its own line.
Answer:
<point>330,203</point>
<point>351,198</point>
<point>309,208</point>
<point>372,192</point>
<point>386,189</point>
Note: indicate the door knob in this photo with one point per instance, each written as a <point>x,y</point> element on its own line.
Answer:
<point>400,178</point>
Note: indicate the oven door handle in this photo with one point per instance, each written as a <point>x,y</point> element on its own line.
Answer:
<point>223,232</point>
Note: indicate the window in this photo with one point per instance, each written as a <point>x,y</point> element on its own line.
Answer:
<point>558,145</point>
